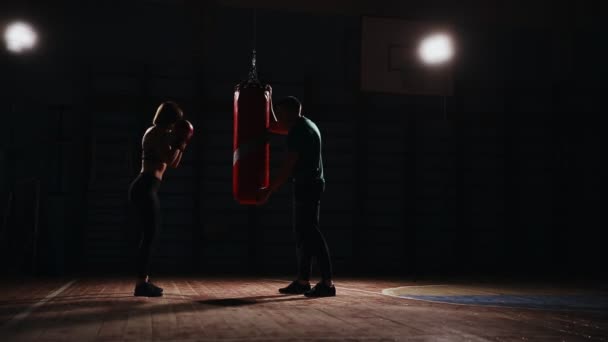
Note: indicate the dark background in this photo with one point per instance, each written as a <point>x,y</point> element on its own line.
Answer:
<point>510,183</point>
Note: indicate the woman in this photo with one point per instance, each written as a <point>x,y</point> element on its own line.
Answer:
<point>163,145</point>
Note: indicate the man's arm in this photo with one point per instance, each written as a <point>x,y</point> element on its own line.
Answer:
<point>284,174</point>
<point>285,171</point>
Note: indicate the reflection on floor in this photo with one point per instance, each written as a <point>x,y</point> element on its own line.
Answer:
<point>549,297</point>
<point>203,308</point>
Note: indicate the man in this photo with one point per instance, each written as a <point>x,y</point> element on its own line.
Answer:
<point>304,165</point>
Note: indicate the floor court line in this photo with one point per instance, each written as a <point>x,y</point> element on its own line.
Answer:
<point>25,313</point>
<point>365,291</point>
<point>385,294</point>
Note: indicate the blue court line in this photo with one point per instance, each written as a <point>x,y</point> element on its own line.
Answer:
<point>588,302</point>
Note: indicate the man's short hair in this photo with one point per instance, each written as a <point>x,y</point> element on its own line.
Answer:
<point>291,104</point>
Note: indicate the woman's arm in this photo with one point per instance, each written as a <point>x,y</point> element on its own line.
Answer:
<point>178,159</point>
<point>169,153</point>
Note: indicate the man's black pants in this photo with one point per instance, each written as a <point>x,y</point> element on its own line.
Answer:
<point>310,242</point>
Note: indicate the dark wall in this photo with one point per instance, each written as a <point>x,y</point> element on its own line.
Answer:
<point>509,180</point>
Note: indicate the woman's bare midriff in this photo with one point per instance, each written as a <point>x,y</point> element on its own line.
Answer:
<point>155,168</point>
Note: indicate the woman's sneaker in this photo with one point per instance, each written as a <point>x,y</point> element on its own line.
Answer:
<point>295,288</point>
<point>147,290</point>
<point>321,290</point>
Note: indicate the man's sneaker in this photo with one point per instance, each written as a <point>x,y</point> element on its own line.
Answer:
<point>147,290</point>
<point>321,290</point>
<point>295,288</point>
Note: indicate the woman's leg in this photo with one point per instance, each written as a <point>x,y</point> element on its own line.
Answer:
<point>144,200</point>
<point>150,218</point>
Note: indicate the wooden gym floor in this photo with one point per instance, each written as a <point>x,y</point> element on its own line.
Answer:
<point>245,309</point>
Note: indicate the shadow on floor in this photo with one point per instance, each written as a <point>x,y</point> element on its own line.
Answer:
<point>242,301</point>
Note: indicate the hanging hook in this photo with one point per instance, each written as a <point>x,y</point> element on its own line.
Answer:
<point>255,28</point>
<point>253,72</point>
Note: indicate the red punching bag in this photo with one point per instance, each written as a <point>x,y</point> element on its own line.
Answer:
<point>251,150</point>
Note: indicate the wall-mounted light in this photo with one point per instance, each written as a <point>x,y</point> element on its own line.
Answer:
<point>20,37</point>
<point>436,49</point>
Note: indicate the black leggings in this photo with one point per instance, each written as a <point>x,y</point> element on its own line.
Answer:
<point>309,239</point>
<point>145,209</point>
